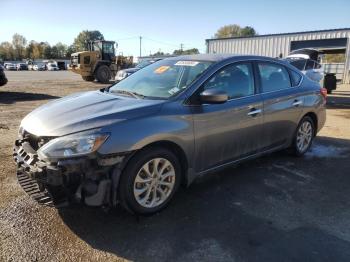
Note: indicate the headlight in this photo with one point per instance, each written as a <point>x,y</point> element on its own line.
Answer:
<point>72,145</point>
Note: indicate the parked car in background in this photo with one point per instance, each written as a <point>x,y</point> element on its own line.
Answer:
<point>308,67</point>
<point>121,74</point>
<point>39,67</point>
<point>10,66</point>
<point>52,67</point>
<point>135,142</point>
<point>21,66</point>
<point>306,61</point>
<point>61,65</point>
<point>3,79</point>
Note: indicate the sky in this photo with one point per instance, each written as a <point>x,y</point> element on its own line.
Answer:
<point>164,25</point>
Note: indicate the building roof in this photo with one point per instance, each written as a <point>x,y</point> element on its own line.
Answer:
<point>280,34</point>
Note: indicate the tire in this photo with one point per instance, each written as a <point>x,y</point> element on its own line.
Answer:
<point>302,143</point>
<point>130,190</point>
<point>103,74</point>
<point>88,78</point>
<point>3,81</point>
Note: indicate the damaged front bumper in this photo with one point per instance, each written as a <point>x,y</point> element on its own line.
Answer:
<point>92,180</point>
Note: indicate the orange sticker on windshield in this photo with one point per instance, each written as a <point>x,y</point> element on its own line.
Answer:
<point>161,69</point>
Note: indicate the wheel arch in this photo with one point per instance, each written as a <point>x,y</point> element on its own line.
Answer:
<point>174,148</point>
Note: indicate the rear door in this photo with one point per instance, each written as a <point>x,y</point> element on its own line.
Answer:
<point>232,130</point>
<point>283,102</point>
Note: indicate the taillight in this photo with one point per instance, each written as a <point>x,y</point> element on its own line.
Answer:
<point>324,92</point>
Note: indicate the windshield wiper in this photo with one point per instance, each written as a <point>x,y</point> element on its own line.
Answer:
<point>130,93</point>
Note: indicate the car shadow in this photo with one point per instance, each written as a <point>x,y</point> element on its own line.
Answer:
<point>338,100</point>
<point>13,97</point>
<point>258,211</point>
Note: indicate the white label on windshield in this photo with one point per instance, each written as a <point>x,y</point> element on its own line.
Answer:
<point>186,63</point>
<point>173,90</point>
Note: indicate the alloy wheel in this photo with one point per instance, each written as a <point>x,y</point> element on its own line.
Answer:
<point>304,136</point>
<point>154,182</point>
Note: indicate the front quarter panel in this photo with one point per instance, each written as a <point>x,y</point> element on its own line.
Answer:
<point>173,123</point>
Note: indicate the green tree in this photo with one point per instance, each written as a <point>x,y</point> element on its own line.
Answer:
<point>37,51</point>
<point>61,50</point>
<point>192,51</point>
<point>54,52</point>
<point>334,58</point>
<point>70,50</point>
<point>6,51</point>
<point>47,50</point>
<point>29,51</point>
<point>159,53</point>
<point>234,30</point>
<point>84,37</point>
<point>248,31</point>
<point>19,42</point>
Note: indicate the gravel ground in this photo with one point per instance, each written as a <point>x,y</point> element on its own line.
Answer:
<point>276,208</point>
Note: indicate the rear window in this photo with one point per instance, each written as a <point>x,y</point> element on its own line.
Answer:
<point>300,63</point>
<point>295,77</point>
<point>309,65</point>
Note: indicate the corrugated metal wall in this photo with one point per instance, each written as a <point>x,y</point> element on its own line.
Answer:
<point>274,45</point>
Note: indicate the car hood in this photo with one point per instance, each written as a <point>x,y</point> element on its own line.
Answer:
<point>83,111</point>
<point>131,70</point>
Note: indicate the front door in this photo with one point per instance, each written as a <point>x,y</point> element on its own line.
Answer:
<point>229,131</point>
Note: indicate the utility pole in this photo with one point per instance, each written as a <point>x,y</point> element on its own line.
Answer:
<point>140,45</point>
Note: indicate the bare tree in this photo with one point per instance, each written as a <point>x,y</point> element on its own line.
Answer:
<point>19,42</point>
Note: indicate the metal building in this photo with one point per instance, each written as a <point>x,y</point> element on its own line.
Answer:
<point>333,41</point>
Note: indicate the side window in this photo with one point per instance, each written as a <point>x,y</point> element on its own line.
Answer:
<point>309,65</point>
<point>237,80</point>
<point>273,77</point>
<point>295,77</point>
<point>108,48</point>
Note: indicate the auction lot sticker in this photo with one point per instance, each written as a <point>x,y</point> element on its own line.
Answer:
<point>161,69</point>
<point>186,63</point>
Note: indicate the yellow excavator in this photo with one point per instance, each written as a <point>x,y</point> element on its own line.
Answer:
<point>99,62</point>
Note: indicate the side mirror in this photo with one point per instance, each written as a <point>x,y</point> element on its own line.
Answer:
<point>213,96</point>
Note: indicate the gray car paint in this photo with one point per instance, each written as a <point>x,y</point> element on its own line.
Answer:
<point>210,136</point>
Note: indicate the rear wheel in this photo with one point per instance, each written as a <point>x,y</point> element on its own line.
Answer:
<point>103,74</point>
<point>3,81</point>
<point>149,181</point>
<point>304,136</point>
<point>88,78</point>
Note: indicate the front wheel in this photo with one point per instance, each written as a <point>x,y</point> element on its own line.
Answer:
<point>103,74</point>
<point>149,181</point>
<point>303,136</point>
<point>3,81</point>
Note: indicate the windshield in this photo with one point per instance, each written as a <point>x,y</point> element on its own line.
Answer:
<point>162,79</point>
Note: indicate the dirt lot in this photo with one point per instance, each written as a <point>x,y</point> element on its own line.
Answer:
<point>277,208</point>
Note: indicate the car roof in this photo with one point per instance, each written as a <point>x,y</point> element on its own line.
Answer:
<point>221,57</point>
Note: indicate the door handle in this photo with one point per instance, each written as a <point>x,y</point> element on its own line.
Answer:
<point>297,102</point>
<point>254,112</point>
